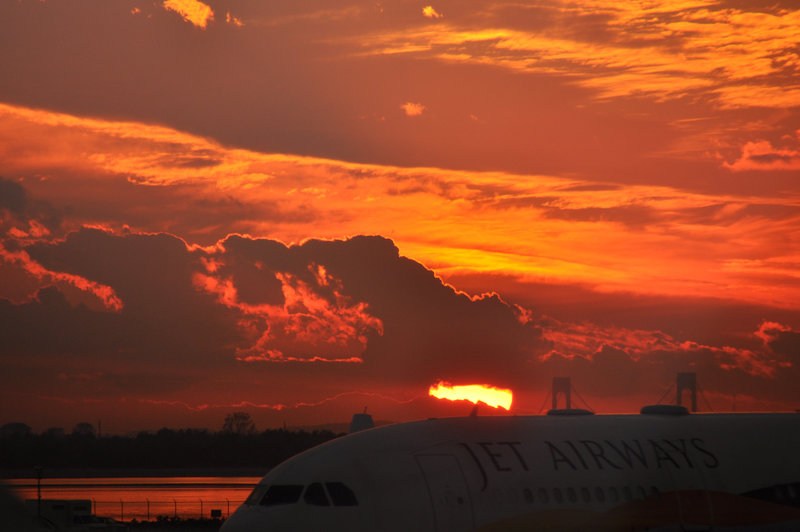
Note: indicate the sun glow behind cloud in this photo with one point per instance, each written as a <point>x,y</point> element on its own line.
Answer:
<point>475,393</point>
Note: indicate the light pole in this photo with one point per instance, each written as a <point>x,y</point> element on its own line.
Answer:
<point>38,470</point>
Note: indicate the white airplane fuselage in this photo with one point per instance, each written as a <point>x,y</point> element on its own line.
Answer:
<point>605,472</point>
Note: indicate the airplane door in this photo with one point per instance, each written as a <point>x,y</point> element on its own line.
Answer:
<point>693,500</point>
<point>452,506</point>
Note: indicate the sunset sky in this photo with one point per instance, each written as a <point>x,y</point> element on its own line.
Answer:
<point>300,209</point>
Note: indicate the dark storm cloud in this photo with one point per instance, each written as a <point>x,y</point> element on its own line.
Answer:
<point>428,330</point>
<point>316,301</point>
<point>246,311</point>
<point>12,196</point>
<point>157,322</point>
<point>18,211</point>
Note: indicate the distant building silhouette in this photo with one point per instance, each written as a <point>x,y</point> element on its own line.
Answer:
<point>15,430</point>
<point>54,432</point>
<point>83,429</point>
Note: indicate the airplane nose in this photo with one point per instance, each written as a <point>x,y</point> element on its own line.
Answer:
<point>246,520</point>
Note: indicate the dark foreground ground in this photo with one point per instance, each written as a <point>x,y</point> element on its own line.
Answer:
<point>176,525</point>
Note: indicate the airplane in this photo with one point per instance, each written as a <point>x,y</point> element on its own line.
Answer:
<point>662,470</point>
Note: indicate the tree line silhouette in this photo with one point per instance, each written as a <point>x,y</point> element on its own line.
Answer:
<point>238,445</point>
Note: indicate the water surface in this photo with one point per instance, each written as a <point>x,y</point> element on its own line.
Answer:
<point>145,498</point>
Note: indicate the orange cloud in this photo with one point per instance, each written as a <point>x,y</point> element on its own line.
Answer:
<point>230,19</point>
<point>588,340</point>
<point>412,109</point>
<point>661,50</point>
<point>104,293</point>
<point>762,155</point>
<point>305,318</point>
<point>192,11</point>
<point>613,237</point>
<point>768,331</point>
<point>430,12</point>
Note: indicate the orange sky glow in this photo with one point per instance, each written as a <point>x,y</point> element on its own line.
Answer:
<point>299,209</point>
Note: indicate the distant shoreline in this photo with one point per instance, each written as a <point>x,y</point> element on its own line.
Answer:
<point>117,472</point>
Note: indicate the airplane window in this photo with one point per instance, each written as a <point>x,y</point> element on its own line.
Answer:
<point>640,493</point>
<point>542,494</point>
<point>613,494</point>
<point>571,495</point>
<point>654,492</point>
<point>528,494</point>
<point>586,495</point>
<point>282,494</point>
<point>315,494</point>
<point>627,493</point>
<point>255,495</point>
<point>340,494</point>
<point>557,495</point>
<point>600,495</point>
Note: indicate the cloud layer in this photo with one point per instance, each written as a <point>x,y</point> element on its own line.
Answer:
<point>583,188</point>
<point>645,93</point>
<point>645,239</point>
<point>236,323</point>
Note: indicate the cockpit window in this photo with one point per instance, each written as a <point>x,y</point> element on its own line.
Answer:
<point>315,494</point>
<point>282,494</point>
<point>255,495</point>
<point>340,494</point>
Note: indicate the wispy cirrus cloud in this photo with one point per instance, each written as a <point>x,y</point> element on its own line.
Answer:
<point>762,155</point>
<point>662,50</point>
<point>588,340</point>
